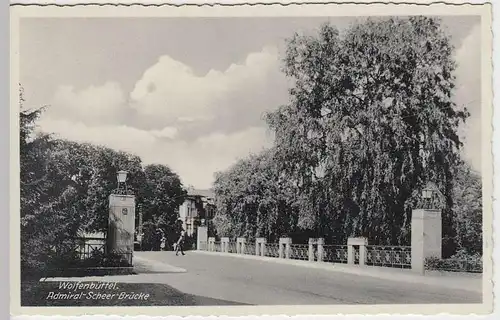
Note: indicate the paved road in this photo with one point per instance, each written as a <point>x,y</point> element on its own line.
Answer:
<point>268,283</point>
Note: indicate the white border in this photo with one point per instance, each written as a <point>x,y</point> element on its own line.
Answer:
<point>309,10</point>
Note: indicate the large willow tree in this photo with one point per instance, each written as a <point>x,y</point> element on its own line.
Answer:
<point>371,119</point>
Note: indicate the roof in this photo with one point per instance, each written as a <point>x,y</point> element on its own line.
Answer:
<point>201,192</point>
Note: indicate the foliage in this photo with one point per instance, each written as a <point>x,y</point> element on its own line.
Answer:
<point>460,262</point>
<point>161,195</point>
<point>468,210</point>
<point>252,199</point>
<point>66,185</point>
<point>371,121</point>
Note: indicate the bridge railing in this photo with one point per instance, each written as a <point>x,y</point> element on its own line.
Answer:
<point>272,250</point>
<point>249,248</point>
<point>388,256</point>
<point>356,252</point>
<point>335,253</point>
<point>299,251</point>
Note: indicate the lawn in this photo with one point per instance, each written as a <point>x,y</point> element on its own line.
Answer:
<point>34,293</point>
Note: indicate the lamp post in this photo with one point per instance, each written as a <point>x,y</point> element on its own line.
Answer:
<point>427,194</point>
<point>121,177</point>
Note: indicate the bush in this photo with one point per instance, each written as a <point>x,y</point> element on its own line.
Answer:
<point>460,262</point>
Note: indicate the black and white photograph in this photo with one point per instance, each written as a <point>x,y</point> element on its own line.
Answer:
<point>250,157</point>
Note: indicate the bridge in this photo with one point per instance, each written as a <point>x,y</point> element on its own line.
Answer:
<point>251,280</point>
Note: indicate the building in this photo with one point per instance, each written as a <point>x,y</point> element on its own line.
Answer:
<point>198,205</point>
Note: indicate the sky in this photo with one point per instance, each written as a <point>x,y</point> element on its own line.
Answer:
<point>188,92</point>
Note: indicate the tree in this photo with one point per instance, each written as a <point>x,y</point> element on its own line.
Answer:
<point>92,171</point>
<point>35,203</point>
<point>66,185</point>
<point>468,210</point>
<point>161,194</point>
<point>371,120</point>
<point>252,200</point>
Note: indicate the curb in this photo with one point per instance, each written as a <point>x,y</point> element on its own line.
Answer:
<point>468,283</point>
<point>141,265</point>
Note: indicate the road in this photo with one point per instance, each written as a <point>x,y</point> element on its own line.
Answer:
<point>257,282</point>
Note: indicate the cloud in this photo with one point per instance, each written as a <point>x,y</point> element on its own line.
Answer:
<point>95,104</point>
<point>172,92</point>
<point>195,162</point>
<point>196,124</point>
<point>468,93</point>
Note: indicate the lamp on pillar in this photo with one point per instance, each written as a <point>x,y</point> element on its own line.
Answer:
<point>427,194</point>
<point>121,177</point>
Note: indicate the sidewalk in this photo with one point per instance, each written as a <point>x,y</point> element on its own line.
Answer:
<point>148,271</point>
<point>469,282</point>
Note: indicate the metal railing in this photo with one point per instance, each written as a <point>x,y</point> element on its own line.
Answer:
<point>90,247</point>
<point>272,250</point>
<point>335,253</point>
<point>299,251</point>
<point>249,248</point>
<point>389,256</point>
<point>374,255</point>
<point>92,252</point>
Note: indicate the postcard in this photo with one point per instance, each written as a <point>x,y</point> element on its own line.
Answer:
<point>300,158</point>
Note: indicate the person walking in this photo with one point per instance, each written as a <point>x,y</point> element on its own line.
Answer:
<point>180,244</point>
<point>157,239</point>
<point>163,243</point>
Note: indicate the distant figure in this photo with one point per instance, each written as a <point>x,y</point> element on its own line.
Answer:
<point>157,239</point>
<point>163,243</point>
<point>180,244</point>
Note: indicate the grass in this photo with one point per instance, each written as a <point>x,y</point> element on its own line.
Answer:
<point>34,293</point>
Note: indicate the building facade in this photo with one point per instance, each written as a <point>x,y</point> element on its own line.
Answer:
<point>198,205</point>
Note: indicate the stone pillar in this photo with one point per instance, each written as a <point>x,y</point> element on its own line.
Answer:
<point>426,237</point>
<point>260,246</point>
<point>284,247</point>
<point>351,242</point>
<point>211,244</point>
<point>240,245</point>
<point>224,242</point>
<point>362,251</point>
<point>121,225</point>
<point>202,238</point>
<point>320,242</point>
<point>312,242</point>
